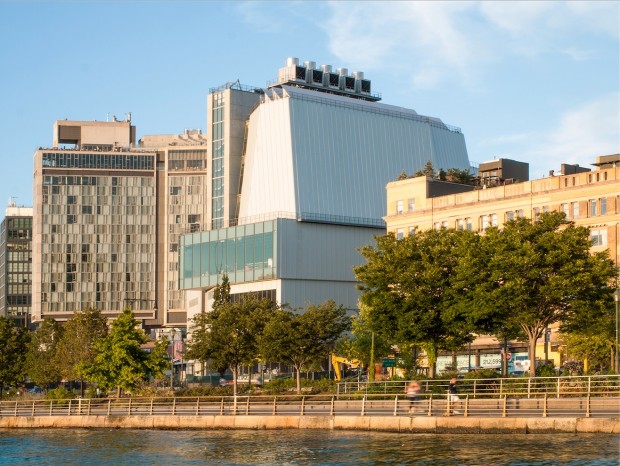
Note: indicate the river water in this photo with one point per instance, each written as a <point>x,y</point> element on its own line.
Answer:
<point>300,447</point>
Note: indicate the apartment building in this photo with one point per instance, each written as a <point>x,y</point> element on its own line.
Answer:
<point>588,197</point>
<point>16,264</point>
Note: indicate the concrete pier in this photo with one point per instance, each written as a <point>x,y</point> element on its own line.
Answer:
<point>402,424</point>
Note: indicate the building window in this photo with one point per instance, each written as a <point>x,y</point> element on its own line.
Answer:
<point>598,237</point>
<point>399,207</point>
<point>493,220</point>
<point>536,212</point>
<point>603,202</point>
<point>411,231</point>
<point>575,206</point>
<point>437,226</point>
<point>519,213</point>
<point>460,224</point>
<point>469,224</point>
<point>592,207</point>
<point>400,234</point>
<point>565,209</point>
<point>510,216</point>
<point>410,204</point>
<point>484,222</point>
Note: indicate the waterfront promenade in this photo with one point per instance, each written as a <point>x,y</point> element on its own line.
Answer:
<point>353,412</point>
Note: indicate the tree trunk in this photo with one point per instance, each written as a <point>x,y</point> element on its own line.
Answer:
<point>118,391</point>
<point>532,356</point>
<point>234,371</point>
<point>298,370</point>
<point>82,388</point>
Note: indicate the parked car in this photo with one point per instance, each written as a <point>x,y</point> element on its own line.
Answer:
<point>35,390</point>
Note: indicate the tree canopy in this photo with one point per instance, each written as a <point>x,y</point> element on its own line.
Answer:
<point>411,290</point>
<point>13,347</point>
<point>120,361</point>
<point>41,356</point>
<point>300,339</point>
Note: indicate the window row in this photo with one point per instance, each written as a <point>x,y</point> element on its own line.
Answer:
<point>105,161</point>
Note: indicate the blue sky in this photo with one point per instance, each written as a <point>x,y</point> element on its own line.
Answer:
<point>532,81</point>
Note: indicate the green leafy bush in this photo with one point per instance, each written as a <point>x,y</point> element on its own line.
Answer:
<point>60,393</point>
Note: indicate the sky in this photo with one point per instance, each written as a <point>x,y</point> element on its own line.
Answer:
<point>532,81</point>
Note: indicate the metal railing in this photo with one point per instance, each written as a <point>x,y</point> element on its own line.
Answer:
<point>523,387</point>
<point>320,405</point>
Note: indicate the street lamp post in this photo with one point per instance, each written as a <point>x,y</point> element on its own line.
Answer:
<point>172,332</point>
<point>617,300</point>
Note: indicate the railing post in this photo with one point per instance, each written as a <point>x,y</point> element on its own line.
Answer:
<point>558,388</point>
<point>275,409</point>
<point>466,410</point>
<point>32,408</point>
<point>331,409</point>
<point>79,406</point>
<point>529,384</point>
<point>222,407</point>
<point>303,405</point>
<point>151,407</point>
<point>501,387</point>
<point>109,405</point>
<point>363,413</point>
<point>545,406</point>
<point>88,413</point>
<point>588,406</point>
<point>129,408</point>
<point>430,405</point>
<point>396,405</point>
<point>197,406</point>
<point>475,386</point>
<point>70,407</point>
<point>505,407</point>
<point>15,408</point>
<point>51,404</point>
<point>247,406</point>
<point>589,385</point>
<point>174,406</point>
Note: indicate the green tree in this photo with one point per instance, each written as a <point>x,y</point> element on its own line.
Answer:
<point>543,272</point>
<point>221,293</point>
<point>231,334</point>
<point>301,339</point>
<point>41,355</point>
<point>411,288</point>
<point>13,348</point>
<point>363,344</point>
<point>594,348</point>
<point>456,175</point>
<point>120,361</point>
<point>76,347</point>
<point>428,170</point>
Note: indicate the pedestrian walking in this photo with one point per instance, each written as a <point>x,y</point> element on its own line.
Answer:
<point>453,397</point>
<point>412,391</point>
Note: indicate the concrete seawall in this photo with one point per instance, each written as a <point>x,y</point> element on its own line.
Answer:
<point>364,423</point>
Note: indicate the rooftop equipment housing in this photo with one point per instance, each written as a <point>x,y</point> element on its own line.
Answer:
<point>323,79</point>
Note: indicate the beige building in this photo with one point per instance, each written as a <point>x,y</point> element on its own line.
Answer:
<point>107,217</point>
<point>589,198</point>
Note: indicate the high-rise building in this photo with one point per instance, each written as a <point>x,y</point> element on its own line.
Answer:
<point>298,183</point>
<point>107,217</point>
<point>16,264</point>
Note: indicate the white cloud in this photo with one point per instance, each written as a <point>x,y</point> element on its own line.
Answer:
<point>579,136</point>
<point>439,41</point>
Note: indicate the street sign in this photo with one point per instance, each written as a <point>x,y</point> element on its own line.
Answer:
<point>389,363</point>
<point>508,356</point>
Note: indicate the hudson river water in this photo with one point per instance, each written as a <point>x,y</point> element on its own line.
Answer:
<point>300,447</point>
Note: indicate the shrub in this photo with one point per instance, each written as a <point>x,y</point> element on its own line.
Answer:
<point>60,393</point>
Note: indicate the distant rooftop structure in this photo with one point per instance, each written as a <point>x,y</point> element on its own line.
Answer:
<point>189,137</point>
<point>607,161</point>
<point>95,135</point>
<point>324,79</point>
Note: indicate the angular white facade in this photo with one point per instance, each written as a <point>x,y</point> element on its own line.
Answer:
<point>328,157</point>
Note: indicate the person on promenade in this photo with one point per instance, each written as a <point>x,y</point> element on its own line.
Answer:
<point>412,391</point>
<point>453,397</point>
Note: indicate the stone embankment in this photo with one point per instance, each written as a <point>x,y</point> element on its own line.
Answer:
<point>402,424</point>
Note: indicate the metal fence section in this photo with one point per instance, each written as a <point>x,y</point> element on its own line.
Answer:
<point>558,387</point>
<point>368,404</point>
